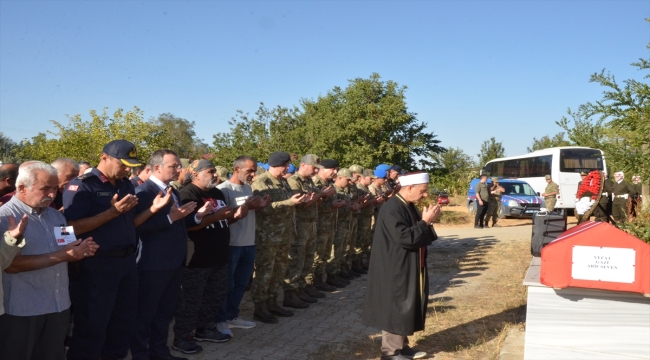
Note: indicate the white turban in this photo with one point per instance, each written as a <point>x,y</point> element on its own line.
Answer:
<point>414,179</point>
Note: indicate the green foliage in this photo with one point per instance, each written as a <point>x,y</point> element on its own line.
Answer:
<point>366,123</point>
<point>84,140</point>
<point>546,142</point>
<point>454,169</point>
<point>490,150</point>
<point>7,150</point>
<point>639,226</point>
<point>181,135</point>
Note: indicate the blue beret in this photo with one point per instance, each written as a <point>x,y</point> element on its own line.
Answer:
<point>380,173</point>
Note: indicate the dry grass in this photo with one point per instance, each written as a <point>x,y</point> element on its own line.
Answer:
<point>478,297</point>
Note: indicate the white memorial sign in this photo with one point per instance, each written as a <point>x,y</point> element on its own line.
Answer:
<point>603,264</point>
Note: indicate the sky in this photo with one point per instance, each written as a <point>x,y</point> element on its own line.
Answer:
<point>473,69</point>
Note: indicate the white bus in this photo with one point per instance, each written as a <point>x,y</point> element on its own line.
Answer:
<point>564,164</point>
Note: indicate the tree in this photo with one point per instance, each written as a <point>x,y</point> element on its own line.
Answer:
<point>490,150</point>
<point>454,170</point>
<point>366,123</point>
<point>84,140</point>
<point>184,141</point>
<point>619,123</point>
<point>547,142</point>
<point>7,150</point>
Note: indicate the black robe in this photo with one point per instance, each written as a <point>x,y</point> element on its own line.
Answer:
<point>398,284</point>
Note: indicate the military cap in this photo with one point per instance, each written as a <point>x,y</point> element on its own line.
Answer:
<point>265,166</point>
<point>396,168</point>
<point>311,159</point>
<point>368,172</point>
<point>122,150</point>
<point>329,164</point>
<point>380,174</point>
<point>292,169</point>
<point>582,173</point>
<point>185,163</point>
<point>547,177</point>
<point>495,179</point>
<point>279,158</point>
<point>222,172</point>
<point>356,169</point>
<point>346,173</point>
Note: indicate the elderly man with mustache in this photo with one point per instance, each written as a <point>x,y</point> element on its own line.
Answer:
<point>35,285</point>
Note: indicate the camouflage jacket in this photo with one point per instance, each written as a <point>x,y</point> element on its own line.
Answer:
<point>275,223</point>
<point>302,185</point>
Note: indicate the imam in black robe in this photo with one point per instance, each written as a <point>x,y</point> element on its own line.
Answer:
<point>398,284</point>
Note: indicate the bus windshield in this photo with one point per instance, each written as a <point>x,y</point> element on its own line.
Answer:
<point>577,160</point>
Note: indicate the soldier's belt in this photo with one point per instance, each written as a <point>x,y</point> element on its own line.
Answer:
<point>605,194</point>
<point>624,196</point>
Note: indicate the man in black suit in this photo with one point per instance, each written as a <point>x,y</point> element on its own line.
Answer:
<point>162,252</point>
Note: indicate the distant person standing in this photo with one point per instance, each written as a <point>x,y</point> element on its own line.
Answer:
<point>601,213</point>
<point>482,198</point>
<point>622,191</point>
<point>494,202</point>
<point>550,193</point>
<point>638,194</point>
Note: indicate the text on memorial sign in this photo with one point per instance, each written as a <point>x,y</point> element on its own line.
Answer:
<point>603,264</point>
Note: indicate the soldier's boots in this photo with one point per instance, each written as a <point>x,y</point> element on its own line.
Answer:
<point>305,297</point>
<point>356,267</point>
<point>335,281</point>
<point>346,276</point>
<point>319,284</point>
<point>343,280</point>
<point>262,314</point>
<point>364,263</point>
<point>275,309</point>
<point>311,291</point>
<point>292,300</point>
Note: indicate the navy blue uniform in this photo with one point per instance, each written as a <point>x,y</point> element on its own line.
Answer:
<point>162,255</point>
<point>103,288</point>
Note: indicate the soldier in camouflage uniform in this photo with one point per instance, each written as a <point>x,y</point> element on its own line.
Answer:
<point>301,257</point>
<point>494,202</point>
<point>355,197</point>
<point>275,231</point>
<point>222,174</point>
<point>327,212</point>
<point>342,237</point>
<point>550,193</point>
<point>365,221</point>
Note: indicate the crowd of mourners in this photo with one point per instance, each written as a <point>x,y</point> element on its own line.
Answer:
<point>96,263</point>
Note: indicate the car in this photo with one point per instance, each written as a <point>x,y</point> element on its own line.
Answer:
<point>519,199</point>
<point>443,198</point>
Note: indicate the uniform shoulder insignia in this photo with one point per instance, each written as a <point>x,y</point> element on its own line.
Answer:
<point>85,176</point>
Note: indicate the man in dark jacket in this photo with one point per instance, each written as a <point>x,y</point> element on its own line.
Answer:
<point>162,252</point>
<point>398,307</point>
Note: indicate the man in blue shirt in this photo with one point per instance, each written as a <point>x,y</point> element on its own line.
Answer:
<point>101,204</point>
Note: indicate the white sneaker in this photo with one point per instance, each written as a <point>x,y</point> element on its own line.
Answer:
<point>240,323</point>
<point>223,328</point>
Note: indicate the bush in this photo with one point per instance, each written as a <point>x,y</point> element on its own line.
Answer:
<point>639,227</point>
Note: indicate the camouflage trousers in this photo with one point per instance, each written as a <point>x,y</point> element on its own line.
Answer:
<point>350,251</point>
<point>202,293</point>
<point>550,203</point>
<point>364,236</point>
<point>301,255</point>
<point>324,240</point>
<point>339,246</point>
<point>494,207</point>
<point>270,268</point>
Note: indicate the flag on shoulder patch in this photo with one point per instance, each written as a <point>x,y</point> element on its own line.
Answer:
<point>73,187</point>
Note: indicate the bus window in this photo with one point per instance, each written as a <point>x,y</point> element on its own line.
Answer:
<point>577,160</point>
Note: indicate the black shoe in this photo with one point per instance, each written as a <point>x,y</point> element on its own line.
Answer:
<point>322,286</point>
<point>345,276</point>
<point>168,357</point>
<point>342,279</point>
<point>262,314</point>
<point>335,281</point>
<point>412,353</point>
<point>291,300</point>
<point>353,273</point>
<point>359,269</point>
<point>304,297</point>
<point>394,357</point>
<point>211,334</point>
<point>312,292</point>
<point>478,227</point>
<point>187,345</point>
<point>277,310</point>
